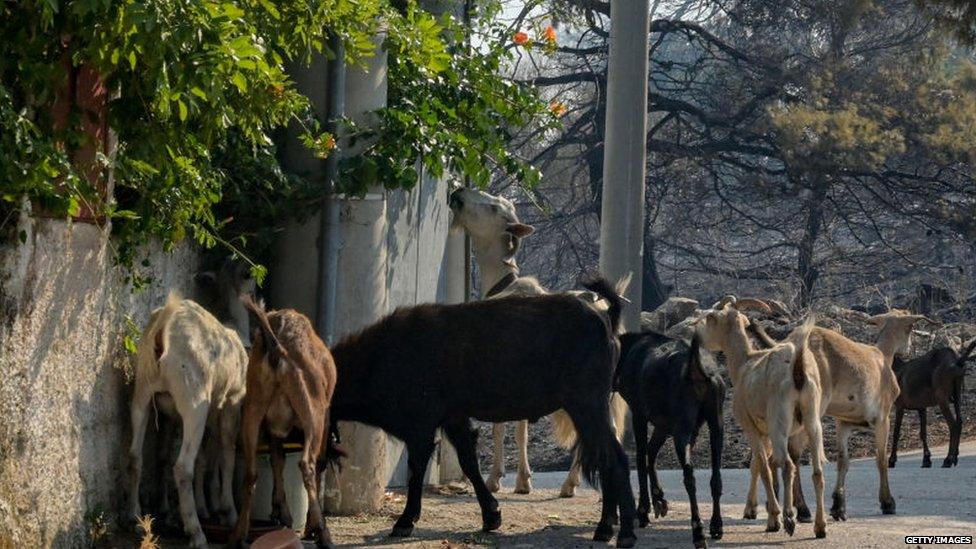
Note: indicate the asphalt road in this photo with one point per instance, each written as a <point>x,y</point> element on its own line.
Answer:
<point>932,501</point>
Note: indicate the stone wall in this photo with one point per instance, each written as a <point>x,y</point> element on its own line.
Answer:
<point>64,376</point>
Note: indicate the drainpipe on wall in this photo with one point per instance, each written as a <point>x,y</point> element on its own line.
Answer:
<point>325,313</point>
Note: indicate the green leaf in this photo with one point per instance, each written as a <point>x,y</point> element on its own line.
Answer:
<point>183,110</point>
<point>239,81</point>
<point>132,59</point>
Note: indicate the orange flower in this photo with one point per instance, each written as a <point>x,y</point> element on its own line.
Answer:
<point>520,38</point>
<point>550,34</point>
<point>324,145</point>
<point>557,108</point>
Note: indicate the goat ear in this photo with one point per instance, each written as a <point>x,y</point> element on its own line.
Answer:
<point>878,320</point>
<point>520,230</point>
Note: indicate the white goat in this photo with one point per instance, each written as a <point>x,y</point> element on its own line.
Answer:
<point>496,235</point>
<point>777,394</point>
<point>195,367</point>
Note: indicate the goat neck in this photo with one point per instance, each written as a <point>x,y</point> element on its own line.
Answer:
<point>890,340</point>
<point>737,350</point>
<point>492,264</point>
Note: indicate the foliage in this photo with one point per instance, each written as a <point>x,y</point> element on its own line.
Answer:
<point>198,88</point>
<point>958,16</point>
<point>449,108</point>
<point>184,75</point>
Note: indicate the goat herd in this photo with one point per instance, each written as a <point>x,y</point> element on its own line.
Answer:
<point>518,355</point>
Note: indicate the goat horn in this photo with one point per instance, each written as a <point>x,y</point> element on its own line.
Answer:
<point>723,302</point>
<point>756,304</point>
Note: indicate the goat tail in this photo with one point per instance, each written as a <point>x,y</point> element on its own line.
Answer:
<point>799,338</point>
<point>591,454</point>
<point>618,412</point>
<point>965,355</point>
<point>269,341</point>
<point>563,429</point>
<point>607,291</point>
<point>152,346</point>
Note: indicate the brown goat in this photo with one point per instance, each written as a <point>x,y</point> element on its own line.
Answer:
<point>933,379</point>
<point>290,380</point>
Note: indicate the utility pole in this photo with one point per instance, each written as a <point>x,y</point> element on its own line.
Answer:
<point>622,219</point>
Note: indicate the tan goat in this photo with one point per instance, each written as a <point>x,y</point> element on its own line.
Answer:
<point>860,389</point>
<point>496,234</point>
<point>777,394</point>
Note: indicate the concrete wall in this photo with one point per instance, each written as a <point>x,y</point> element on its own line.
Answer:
<point>64,389</point>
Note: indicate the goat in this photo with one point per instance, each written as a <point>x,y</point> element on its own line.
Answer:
<point>664,382</point>
<point>933,379</point>
<point>496,235</point>
<point>291,377</point>
<point>777,395</point>
<point>192,366</point>
<point>513,358</point>
<point>859,390</point>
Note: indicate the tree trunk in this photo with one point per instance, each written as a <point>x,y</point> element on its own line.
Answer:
<point>806,265</point>
<point>654,291</point>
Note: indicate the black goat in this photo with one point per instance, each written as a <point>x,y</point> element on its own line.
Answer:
<point>665,383</point>
<point>501,360</point>
<point>933,379</point>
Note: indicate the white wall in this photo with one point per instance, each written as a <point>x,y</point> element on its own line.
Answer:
<point>65,378</point>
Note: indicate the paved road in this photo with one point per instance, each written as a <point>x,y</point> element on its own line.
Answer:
<point>929,501</point>
<point>932,501</point>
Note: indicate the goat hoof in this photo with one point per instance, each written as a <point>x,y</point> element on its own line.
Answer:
<point>491,521</point>
<point>891,463</point>
<point>493,485</point>
<point>888,507</point>
<point>701,544</point>
<point>626,541</point>
<point>749,514</point>
<point>803,515</point>
<point>926,462</point>
<point>643,520</point>
<point>604,533</point>
<point>947,463</point>
<point>789,525</point>
<point>715,528</point>
<point>820,533</point>
<point>774,527</point>
<point>523,486</point>
<point>567,492</point>
<point>660,508</point>
<point>839,509</point>
<point>401,531</point>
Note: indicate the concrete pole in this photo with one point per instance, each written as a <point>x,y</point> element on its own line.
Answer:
<point>622,220</point>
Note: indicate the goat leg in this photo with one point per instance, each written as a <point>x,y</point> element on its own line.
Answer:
<point>418,454</point>
<point>716,434</point>
<point>682,448</point>
<point>923,422</point>
<point>279,503</point>
<point>523,477</point>
<point>951,422</point>
<point>640,442</point>
<point>465,440</point>
<point>896,436</point>
<point>498,457</point>
<point>658,502</point>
